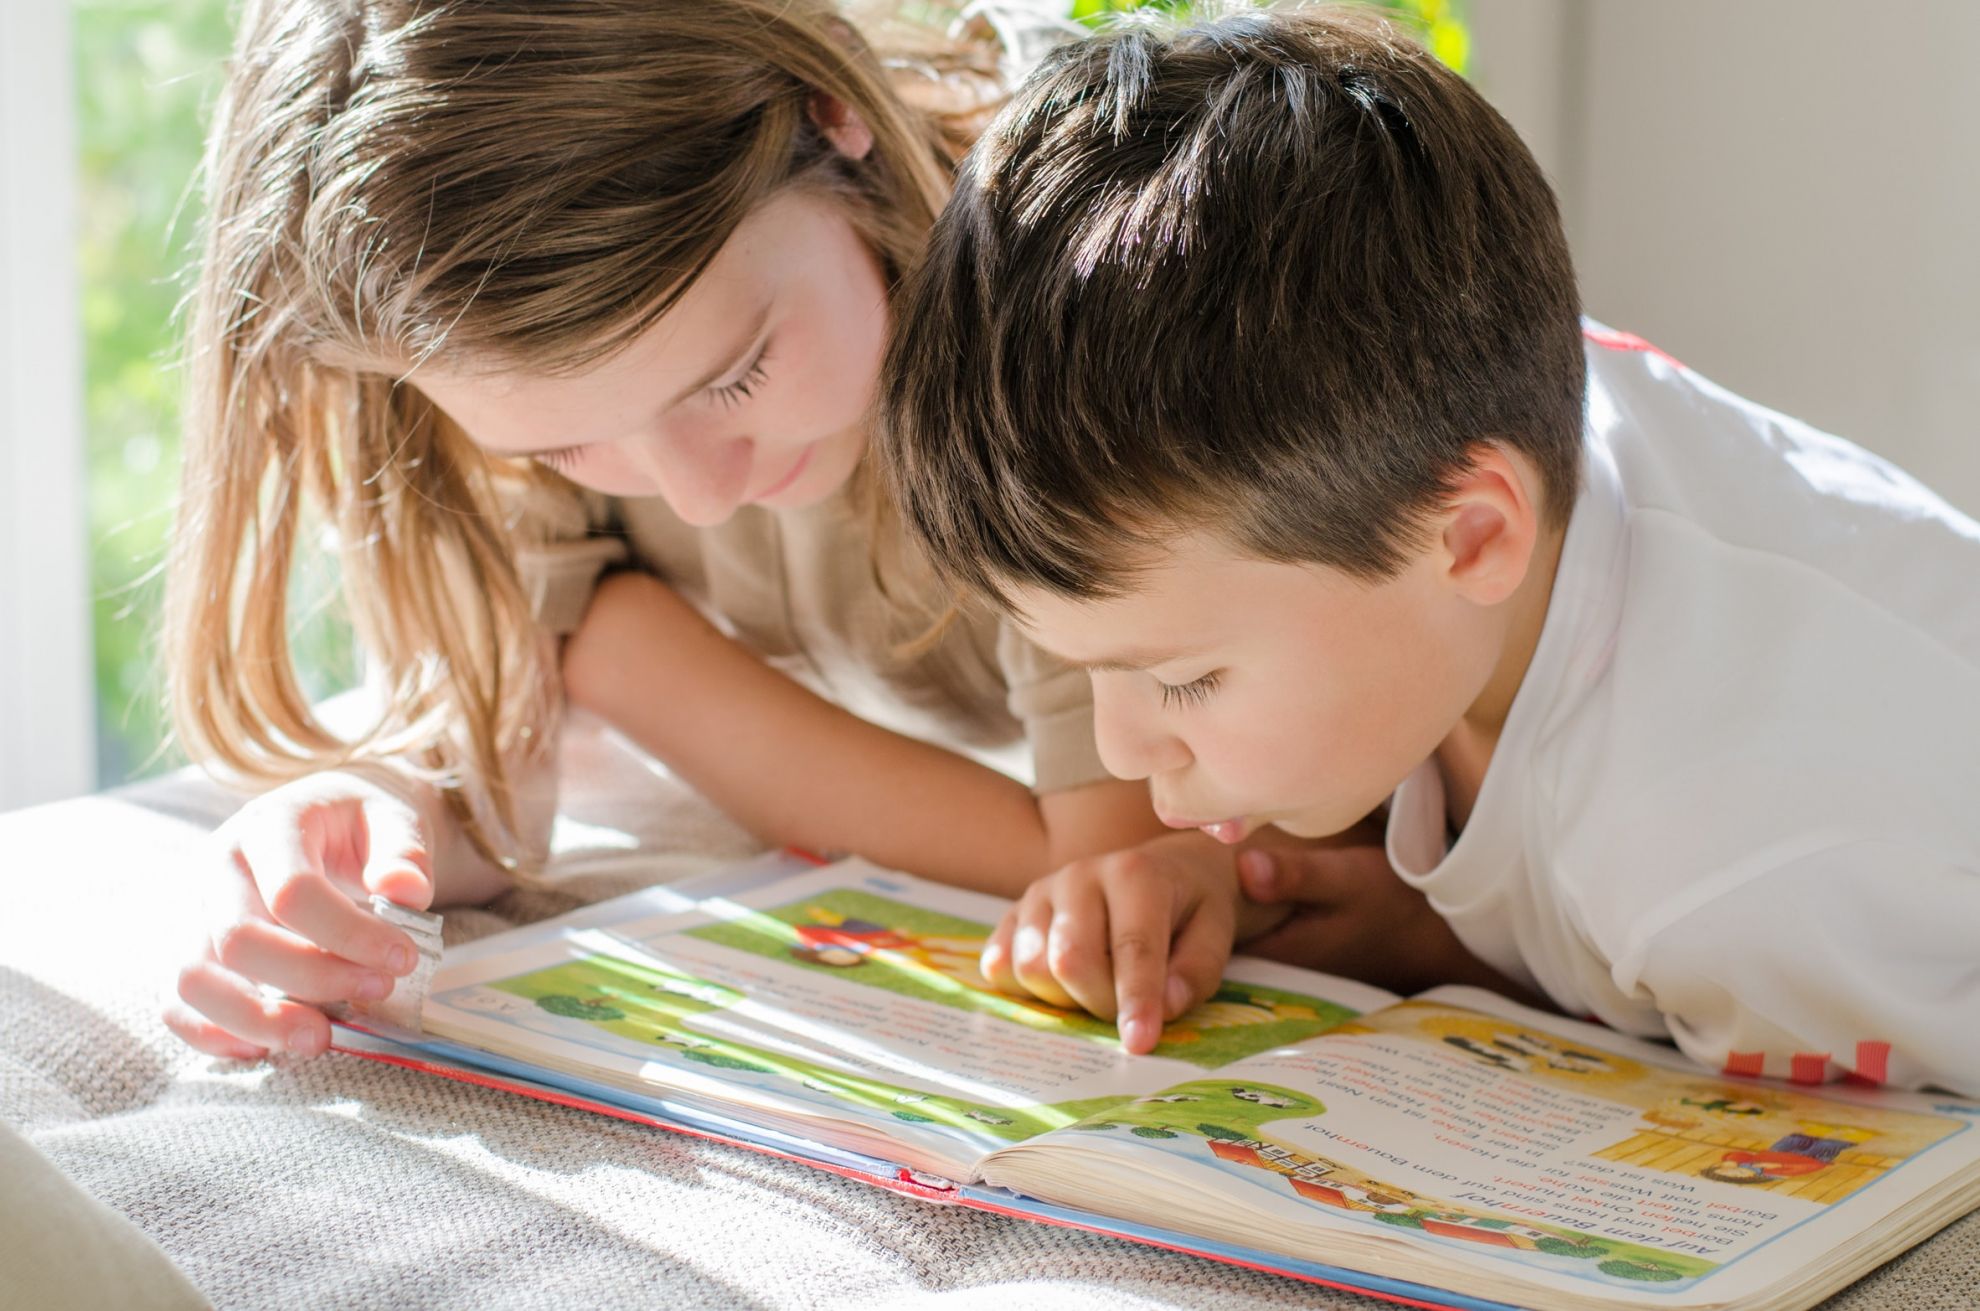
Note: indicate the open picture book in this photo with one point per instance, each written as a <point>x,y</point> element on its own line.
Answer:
<point>1453,1148</point>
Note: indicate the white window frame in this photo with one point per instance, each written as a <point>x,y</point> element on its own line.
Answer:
<point>47,699</point>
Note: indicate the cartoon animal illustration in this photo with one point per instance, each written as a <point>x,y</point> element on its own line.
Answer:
<point>1522,1052</point>
<point>1261,1098</point>
<point>1809,1150</point>
<point>1169,1097</point>
<point>986,1118</point>
<point>843,942</point>
<point>1232,1006</point>
<point>1725,1106</point>
<point>909,1099</point>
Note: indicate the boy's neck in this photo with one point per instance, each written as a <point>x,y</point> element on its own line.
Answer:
<point>1466,753</point>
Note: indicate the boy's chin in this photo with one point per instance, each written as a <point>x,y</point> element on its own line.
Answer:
<point>1313,824</point>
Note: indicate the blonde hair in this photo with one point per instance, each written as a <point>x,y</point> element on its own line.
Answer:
<point>504,180</point>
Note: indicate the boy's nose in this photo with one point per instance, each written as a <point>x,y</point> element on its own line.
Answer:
<point>1132,740</point>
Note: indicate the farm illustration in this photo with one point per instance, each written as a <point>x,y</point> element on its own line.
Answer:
<point>864,938</point>
<point>1230,1119</point>
<point>1759,1137</point>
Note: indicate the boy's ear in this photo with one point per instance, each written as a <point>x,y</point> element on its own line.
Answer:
<point>1490,525</point>
<point>841,125</point>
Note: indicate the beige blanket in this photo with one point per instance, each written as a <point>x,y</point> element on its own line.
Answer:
<point>345,1183</point>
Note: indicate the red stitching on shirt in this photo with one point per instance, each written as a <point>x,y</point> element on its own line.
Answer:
<point>1873,1061</point>
<point>1748,1064</point>
<point>1628,341</point>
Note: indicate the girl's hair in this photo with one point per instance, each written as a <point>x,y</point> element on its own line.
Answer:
<point>514,183</point>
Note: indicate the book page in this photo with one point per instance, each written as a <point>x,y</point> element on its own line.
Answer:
<point>849,994</point>
<point>1567,1154</point>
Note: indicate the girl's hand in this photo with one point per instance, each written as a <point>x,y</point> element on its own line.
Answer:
<point>1138,936</point>
<point>286,877</point>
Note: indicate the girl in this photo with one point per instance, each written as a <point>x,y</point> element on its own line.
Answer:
<point>514,294</point>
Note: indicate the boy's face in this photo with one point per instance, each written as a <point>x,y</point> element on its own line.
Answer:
<point>1250,692</point>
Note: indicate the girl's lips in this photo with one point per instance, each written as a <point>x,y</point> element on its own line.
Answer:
<point>782,484</point>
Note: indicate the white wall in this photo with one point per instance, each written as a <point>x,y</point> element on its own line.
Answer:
<point>1784,194</point>
<point>47,716</point>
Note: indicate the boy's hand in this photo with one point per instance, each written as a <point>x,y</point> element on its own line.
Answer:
<point>1353,915</point>
<point>285,877</point>
<point>1138,936</point>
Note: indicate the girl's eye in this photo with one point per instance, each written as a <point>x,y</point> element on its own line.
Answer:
<point>1175,695</point>
<point>563,457</point>
<point>743,388</point>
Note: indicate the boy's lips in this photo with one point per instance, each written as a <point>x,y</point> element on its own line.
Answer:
<point>1230,832</point>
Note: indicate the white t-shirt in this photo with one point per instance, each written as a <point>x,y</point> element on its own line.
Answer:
<point>1737,799</point>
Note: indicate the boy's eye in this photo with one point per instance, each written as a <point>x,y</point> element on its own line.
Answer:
<point>743,388</point>
<point>1188,694</point>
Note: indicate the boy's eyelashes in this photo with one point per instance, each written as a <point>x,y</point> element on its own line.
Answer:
<point>1176,695</point>
<point>735,393</point>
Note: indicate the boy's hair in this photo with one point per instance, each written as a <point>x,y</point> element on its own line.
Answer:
<point>1270,273</point>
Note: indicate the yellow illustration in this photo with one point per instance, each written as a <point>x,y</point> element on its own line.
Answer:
<point>1814,1160</point>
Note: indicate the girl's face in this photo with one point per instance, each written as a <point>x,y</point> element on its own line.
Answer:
<point>753,389</point>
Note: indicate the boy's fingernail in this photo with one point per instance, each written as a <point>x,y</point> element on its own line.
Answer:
<point>1137,1035</point>
<point>303,1043</point>
<point>402,960</point>
<point>1176,996</point>
<point>1030,944</point>
<point>1257,865</point>
<point>373,986</point>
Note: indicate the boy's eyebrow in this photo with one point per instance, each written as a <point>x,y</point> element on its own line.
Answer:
<point>1125,662</point>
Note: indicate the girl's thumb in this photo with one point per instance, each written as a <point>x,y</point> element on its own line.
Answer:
<point>397,866</point>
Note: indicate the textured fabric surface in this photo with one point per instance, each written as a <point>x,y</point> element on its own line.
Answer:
<point>346,1183</point>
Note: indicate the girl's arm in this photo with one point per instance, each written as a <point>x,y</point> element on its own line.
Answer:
<point>797,770</point>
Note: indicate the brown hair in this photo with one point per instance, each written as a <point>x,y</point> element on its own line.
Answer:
<point>509,181</point>
<point>1274,273</point>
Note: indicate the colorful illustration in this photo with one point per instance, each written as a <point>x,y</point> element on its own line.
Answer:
<point>875,941</point>
<point>1230,1119</point>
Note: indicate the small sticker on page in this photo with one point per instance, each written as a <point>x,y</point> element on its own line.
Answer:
<point>401,1007</point>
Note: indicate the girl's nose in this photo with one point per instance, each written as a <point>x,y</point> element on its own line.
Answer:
<point>702,481</point>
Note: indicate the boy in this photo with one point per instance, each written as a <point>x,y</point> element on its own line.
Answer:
<point>1246,371</point>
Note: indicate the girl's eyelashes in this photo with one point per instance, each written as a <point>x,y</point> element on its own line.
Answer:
<point>743,388</point>
<point>561,458</point>
<point>1175,695</point>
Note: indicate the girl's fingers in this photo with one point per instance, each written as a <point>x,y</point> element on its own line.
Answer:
<point>297,893</point>
<point>267,953</point>
<point>202,1034</point>
<point>1028,952</point>
<point>237,1007</point>
<point>397,866</point>
<point>1076,949</point>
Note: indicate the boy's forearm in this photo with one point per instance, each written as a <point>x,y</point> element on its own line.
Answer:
<point>794,768</point>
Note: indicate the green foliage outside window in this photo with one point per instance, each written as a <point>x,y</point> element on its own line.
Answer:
<point>147,73</point>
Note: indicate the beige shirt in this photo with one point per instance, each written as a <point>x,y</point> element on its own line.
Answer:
<point>801,588</point>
